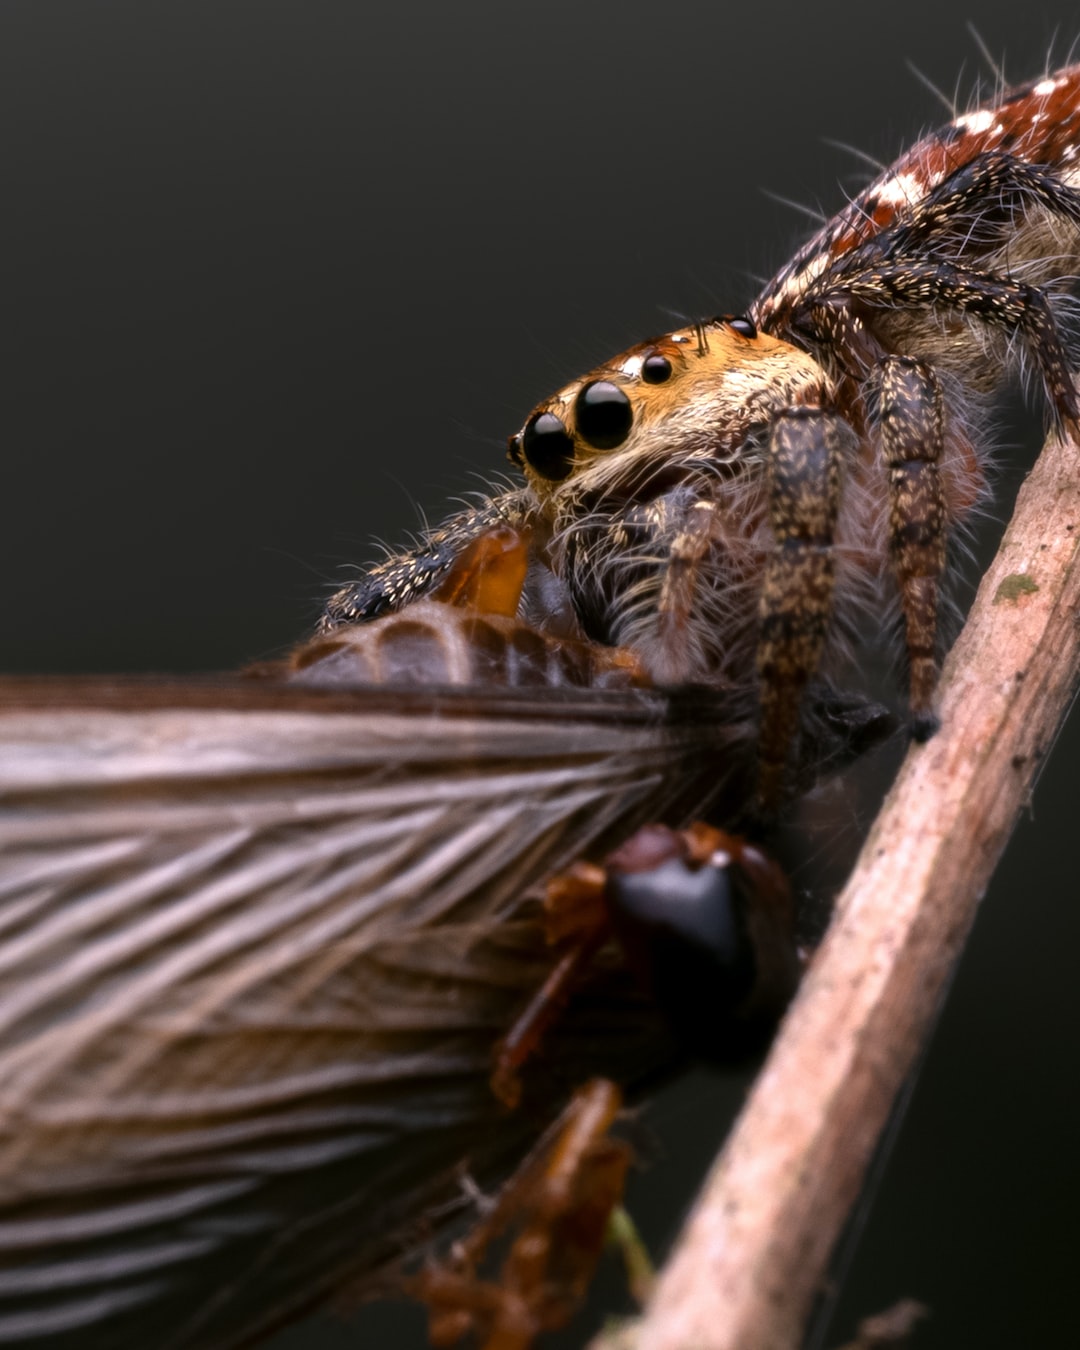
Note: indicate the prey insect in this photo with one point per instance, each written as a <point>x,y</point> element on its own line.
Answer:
<point>730,502</point>
<point>260,936</point>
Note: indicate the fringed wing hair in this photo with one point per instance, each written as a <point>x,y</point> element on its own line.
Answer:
<point>256,947</point>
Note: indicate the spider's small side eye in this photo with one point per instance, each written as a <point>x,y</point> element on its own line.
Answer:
<point>547,447</point>
<point>743,326</point>
<point>604,415</point>
<point>655,369</point>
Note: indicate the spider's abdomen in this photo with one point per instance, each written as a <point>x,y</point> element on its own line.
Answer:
<point>1034,124</point>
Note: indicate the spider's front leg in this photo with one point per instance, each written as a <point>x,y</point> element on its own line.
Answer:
<point>803,484</point>
<point>419,572</point>
<point>796,598</point>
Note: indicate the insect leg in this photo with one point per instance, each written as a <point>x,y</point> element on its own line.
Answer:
<point>574,911</point>
<point>557,1205</point>
<point>911,441</point>
<point>797,593</point>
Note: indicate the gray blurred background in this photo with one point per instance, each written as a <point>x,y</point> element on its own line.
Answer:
<point>277,278</point>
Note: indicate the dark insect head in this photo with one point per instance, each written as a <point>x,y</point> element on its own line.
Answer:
<point>706,920</point>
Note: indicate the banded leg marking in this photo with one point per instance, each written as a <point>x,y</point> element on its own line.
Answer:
<point>912,437</point>
<point>797,594</point>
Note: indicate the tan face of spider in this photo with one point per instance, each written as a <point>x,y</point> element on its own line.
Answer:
<point>696,392</point>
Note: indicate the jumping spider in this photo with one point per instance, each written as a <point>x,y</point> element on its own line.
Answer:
<point>730,500</point>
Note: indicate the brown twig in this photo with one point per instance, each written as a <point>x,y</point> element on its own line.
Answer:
<point>889,1330</point>
<point>754,1252</point>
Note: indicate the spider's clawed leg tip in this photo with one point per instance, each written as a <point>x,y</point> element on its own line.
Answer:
<point>922,726</point>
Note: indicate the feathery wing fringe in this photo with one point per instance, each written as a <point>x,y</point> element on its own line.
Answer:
<point>256,948</point>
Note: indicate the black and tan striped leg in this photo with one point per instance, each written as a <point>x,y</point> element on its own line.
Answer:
<point>1012,307</point>
<point>995,191</point>
<point>912,438</point>
<point>796,599</point>
<point>417,574</point>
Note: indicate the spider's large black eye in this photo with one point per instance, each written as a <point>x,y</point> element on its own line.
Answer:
<point>604,415</point>
<point>743,325</point>
<point>547,447</point>
<point>655,369</point>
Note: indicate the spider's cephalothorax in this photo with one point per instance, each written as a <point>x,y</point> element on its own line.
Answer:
<point>727,499</point>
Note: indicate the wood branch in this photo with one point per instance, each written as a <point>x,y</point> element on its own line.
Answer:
<point>754,1252</point>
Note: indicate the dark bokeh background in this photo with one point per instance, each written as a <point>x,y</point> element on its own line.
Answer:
<point>273,276</point>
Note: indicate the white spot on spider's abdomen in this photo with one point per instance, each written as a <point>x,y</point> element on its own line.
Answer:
<point>904,189</point>
<point>979,122</point>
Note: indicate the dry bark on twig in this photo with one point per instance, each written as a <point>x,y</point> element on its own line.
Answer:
<point>754,1252</point>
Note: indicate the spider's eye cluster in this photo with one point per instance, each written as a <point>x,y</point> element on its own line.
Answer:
<point>603,418</point>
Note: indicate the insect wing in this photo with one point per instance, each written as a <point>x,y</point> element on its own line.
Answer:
<point>256,947</point>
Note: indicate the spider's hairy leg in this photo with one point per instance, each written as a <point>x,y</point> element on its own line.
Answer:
<point>797,593</point>
<point>468,630</point>
<point>912,439</point>
<point>1012,306</point>
<point>645,576</point>
<point>412,575</point>
<point>996,190</point>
